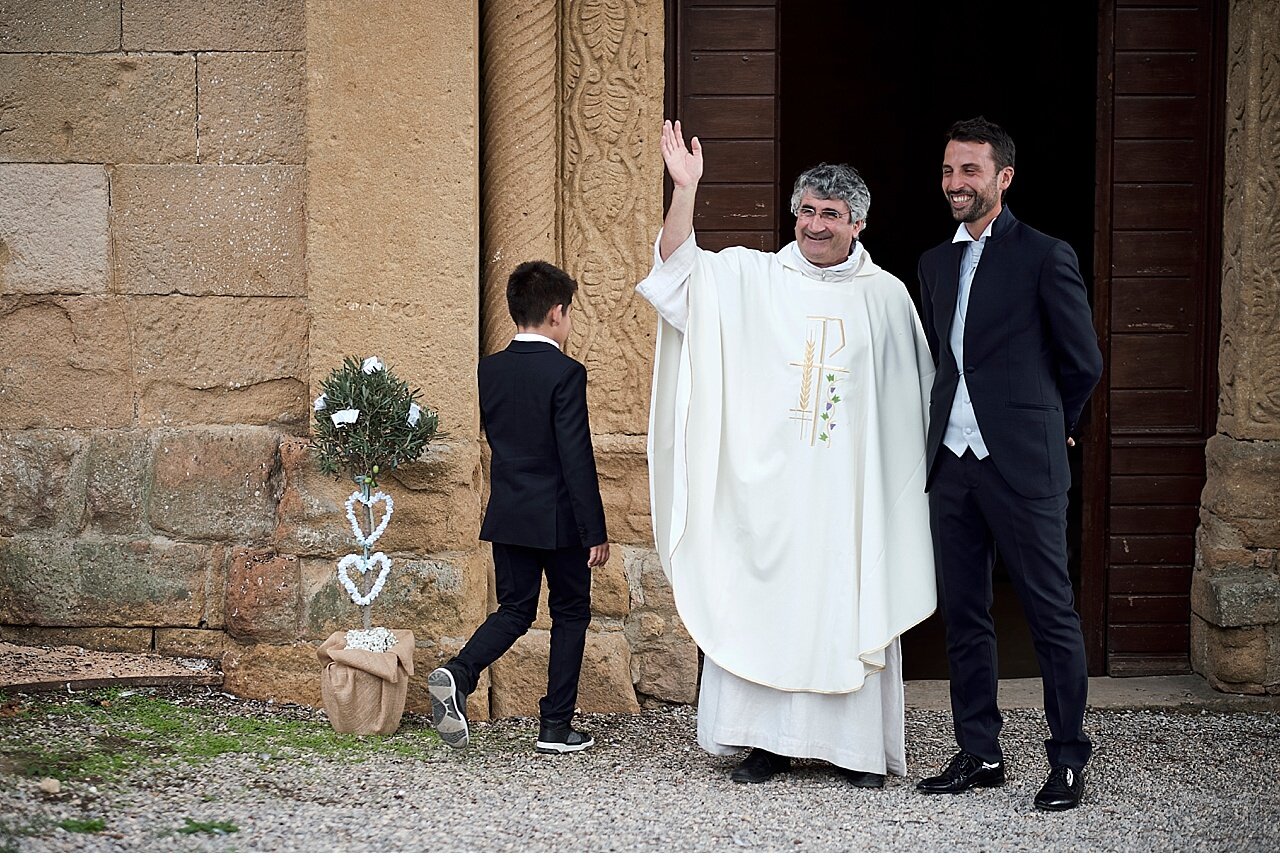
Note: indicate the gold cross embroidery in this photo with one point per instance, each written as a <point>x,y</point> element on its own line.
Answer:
<point>814,409</point>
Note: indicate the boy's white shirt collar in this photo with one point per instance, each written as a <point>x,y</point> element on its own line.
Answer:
<point>534,338</point>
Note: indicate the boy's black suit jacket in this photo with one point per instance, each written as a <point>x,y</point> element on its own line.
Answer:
<point>544,492</point>
<point>1031,355</point>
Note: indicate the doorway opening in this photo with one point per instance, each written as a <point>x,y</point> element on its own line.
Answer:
<point>876,86</point>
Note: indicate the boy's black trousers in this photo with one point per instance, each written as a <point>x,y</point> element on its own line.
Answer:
<point>517,573</point>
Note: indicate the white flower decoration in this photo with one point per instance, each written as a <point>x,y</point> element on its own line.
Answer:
<point>371,365</point>
<point>345,416</point>
<point>376,497</point>
<point>415,414</point>
<point>319,403</point>
<point>376,560</point>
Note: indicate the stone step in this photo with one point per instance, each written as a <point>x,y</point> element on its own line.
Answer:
<point>72,668</point>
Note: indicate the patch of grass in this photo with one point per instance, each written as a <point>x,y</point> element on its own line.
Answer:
<point>219,827</point>
<point>113,731</point>
<point>82,826</point>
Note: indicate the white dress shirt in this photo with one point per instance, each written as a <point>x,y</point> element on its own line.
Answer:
<point>534,338</point>
<point>962,425</point>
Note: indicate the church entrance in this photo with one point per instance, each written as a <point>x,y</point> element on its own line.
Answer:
<point>1117,110</point>
<point>876,85</point>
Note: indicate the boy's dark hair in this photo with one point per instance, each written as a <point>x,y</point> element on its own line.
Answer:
<point>982,130</point>
<point>534,288</point>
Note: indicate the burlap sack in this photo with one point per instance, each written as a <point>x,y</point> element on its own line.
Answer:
<point>364,692</point>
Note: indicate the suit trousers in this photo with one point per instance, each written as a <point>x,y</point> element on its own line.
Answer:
<point>517,575</point>
<point>974,513</point>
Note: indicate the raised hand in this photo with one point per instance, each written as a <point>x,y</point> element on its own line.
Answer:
<point>684,165</point>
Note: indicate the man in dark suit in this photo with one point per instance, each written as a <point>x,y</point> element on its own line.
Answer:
<point>544,512</point>
<point>1007,317</point>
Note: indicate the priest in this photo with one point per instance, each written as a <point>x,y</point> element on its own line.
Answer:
<point>786,461</point>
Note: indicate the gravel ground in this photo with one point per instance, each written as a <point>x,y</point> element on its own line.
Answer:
<point>1161,780</point>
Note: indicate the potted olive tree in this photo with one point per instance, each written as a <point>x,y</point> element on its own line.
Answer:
<point>367,422</point>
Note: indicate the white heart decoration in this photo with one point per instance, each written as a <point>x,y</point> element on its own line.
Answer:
<point>364,566</point>
<point>375,498</point>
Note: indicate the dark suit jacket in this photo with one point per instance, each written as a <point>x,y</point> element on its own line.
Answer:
<point>1031,354</point>
<point>543,488</point>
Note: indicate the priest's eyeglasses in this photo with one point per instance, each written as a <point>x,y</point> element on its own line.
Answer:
<point>825,215</point>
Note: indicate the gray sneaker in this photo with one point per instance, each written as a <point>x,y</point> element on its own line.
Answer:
<point>448,708</point>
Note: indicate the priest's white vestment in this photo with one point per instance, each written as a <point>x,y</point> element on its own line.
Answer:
<point>787,468</point>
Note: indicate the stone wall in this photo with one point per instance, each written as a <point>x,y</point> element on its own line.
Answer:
<point>1235,626</point>
<point>153,311</point>
<point>205,207</point>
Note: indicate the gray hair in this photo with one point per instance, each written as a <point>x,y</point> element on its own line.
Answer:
<point>834,182</point>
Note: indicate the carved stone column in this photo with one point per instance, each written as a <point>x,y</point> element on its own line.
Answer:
<point>1235,598</point>
<point>520,169</point>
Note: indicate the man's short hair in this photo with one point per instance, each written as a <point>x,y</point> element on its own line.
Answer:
<point>982,130</point>
<point>534,288</point>
<point>834,182</point>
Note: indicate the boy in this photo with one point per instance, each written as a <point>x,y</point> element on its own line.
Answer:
<point>544,511</point>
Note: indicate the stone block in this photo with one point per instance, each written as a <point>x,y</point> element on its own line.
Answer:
<point>98,109</point>
<point>213,25</point>
<point>40,487</point>
<point>1236,596</point>
<point>53,228</point>
<point>434,515</point>
<point>66,363</point>
<point>97,639</point>
<point>286,673</point>
<point>252,108</point>
<point>1240,487</point>
<point>1218,544</point>
<point>668,673</point>
<point>215,360</point>
<point>69,582</point>
<point>215,483</point>
<point>438,597</point>
<point>114,498</point>
<point>378,151</point>
<point>520,677</point>
<point>70,26</point>
<point>610,595</point>
<point>1232,660</point>
<point>648,583</point>
<point>264,593</point>
<point>193,643</point>
<point>208,230</point>
<point>624,488</point>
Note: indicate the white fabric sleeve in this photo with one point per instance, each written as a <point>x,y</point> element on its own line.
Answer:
<point>667,286</point>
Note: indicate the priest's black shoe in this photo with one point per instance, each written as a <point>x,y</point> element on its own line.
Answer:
<point>865,780</point>
<point>963,772</point>
<point>557,737</point>
<point>759,766</point>
<point>1063,789</point>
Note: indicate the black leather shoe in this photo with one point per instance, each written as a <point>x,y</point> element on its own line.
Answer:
<point>1063,789</point>
<point>448,708</point>
<point>963,772</point>
<point>557,737</point>
<point>759,766</point>
<point>865,780</point>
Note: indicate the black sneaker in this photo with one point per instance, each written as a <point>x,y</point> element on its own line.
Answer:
<point>560,738</point>
<point>448,708</point>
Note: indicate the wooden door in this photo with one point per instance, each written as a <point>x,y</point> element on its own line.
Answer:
<point>723,87</point>
<point>1157,274</point>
